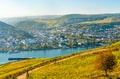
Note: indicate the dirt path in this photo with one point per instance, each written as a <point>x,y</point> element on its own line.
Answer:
<point>24,75</point>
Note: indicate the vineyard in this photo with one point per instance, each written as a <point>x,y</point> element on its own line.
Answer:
<point>11,70</point>
<point>80,67</point>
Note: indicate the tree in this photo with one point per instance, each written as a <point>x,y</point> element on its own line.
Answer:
<point>105,61</point>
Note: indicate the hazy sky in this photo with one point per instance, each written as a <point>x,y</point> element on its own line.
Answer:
<point>14,8</point>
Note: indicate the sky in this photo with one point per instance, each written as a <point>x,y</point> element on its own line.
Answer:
<point>17,8</point>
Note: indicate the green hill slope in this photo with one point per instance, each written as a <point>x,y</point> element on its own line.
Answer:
<point>106,20</point>
<point>80,67</point>
<point>31,25</point>
<point>7,30</point>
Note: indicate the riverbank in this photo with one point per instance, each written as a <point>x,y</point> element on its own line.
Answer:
<point>29,48</point>
<point>40,53</point>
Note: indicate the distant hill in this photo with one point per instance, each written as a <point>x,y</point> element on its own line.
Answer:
<point>4,26</point>
<point>31,25</point>
<point>58,21</point>
<point>106,20</point>
<point>13,21</point>
<point>7,30</point>
<point>76,18</point>
<point>98,24</point>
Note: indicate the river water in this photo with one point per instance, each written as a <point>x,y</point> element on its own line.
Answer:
<point>40,53</point>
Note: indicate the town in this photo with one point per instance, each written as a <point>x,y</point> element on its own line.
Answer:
<point>61,37</point>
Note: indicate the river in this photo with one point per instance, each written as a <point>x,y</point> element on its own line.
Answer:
<point>40,53</point>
